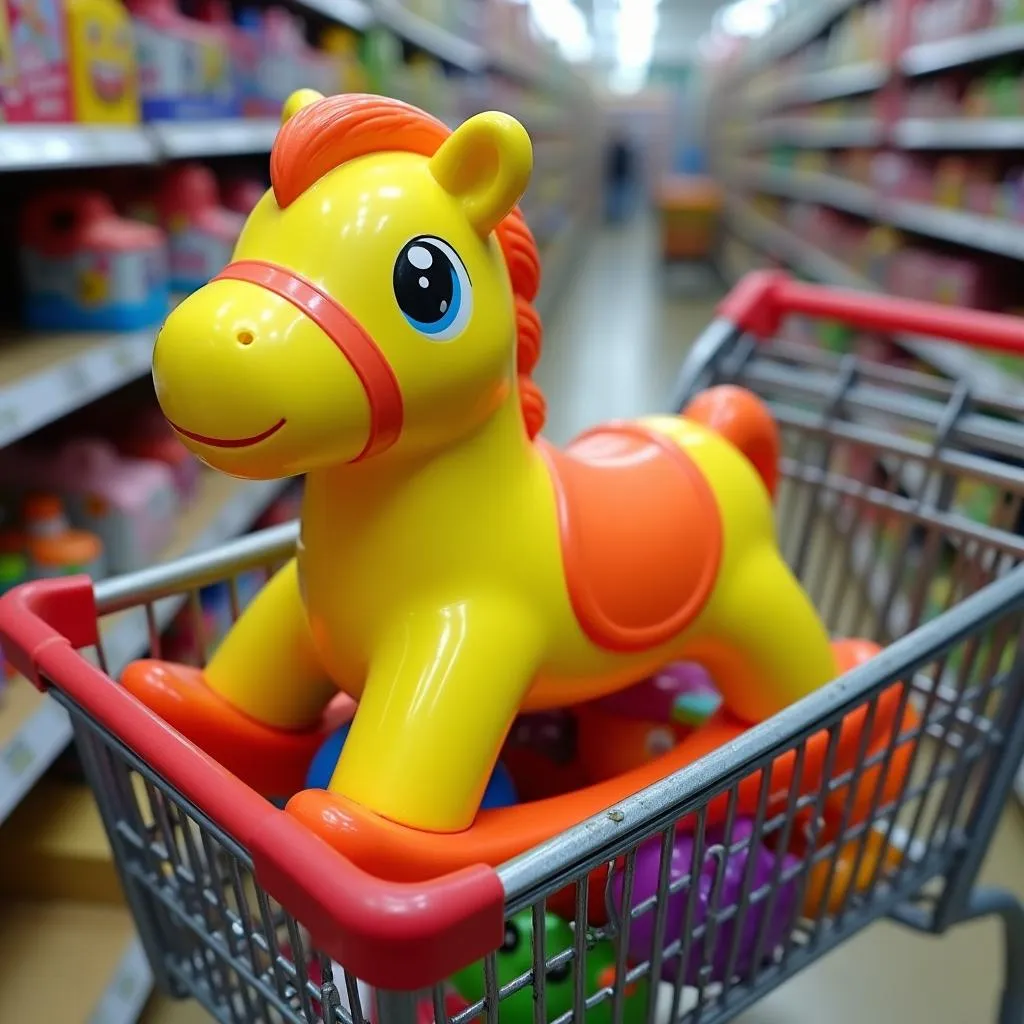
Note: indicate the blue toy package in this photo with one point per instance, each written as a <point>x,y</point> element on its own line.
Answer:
<point>186,67</point>
<point>85,268</point>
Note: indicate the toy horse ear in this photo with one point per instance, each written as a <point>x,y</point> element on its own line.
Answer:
<point>485,164</point>
<point>298,99</point>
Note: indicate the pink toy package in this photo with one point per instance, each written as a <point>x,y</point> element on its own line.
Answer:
<point>39,89</point>
<point>130,504</point>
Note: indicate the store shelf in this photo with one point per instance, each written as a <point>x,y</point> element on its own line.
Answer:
<point>91,954</point>
<point>71,146</point>
<point>819,133</point>
<point>356,14</point>
<point>810,20</point>
<point>430,37</point>
<point>33,728</point>
<point>1003,237</point>
<point>44,377</point>
<point>179,140</point>
<point>952,360</point>
<point>998,41</point>
<point>959,133</point>
<point>831,84</point>
<point>781,243</point>
<point>50,147</point>
<point>810,188</point>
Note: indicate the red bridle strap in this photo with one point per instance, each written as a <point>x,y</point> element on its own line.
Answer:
<point>356,345</point>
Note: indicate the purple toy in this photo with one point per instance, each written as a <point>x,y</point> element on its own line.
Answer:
<point>645,885</point>
<point>682,692</point>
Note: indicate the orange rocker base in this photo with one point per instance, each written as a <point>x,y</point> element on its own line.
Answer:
<point>275,762</point>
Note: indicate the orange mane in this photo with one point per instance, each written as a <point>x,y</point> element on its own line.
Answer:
<point>332,131</point>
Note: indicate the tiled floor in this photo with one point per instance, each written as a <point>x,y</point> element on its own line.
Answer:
<point>613,350</point>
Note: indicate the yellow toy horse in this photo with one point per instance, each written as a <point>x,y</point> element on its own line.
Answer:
<point>375,332</point>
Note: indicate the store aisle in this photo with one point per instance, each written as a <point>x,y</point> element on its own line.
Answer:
<point>615,343</point>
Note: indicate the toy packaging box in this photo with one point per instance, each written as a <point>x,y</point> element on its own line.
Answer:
<point>104,78</point>
<point>185,69</point>
<point>85,268</point>
<point>39,89</point>
<point>67,60</point>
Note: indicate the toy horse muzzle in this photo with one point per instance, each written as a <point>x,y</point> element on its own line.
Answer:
<point>351,338</point>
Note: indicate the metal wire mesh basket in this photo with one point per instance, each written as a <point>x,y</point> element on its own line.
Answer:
<point>682,904</point>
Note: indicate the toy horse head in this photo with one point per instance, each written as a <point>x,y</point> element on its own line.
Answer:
<point>378,300</point>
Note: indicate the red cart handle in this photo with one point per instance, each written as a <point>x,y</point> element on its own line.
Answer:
<point>762,299</point>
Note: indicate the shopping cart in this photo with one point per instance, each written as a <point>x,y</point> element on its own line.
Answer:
<point>240,907</point>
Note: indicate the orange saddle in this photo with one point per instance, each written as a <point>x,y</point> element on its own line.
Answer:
<point>641,534</point>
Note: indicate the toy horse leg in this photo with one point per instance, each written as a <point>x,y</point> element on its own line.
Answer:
<point>267,665</point>
<point>765,645</point>
<point>256,707</point>
<point>443,689</point>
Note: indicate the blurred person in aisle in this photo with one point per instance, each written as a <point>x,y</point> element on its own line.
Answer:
<point>619,177</point>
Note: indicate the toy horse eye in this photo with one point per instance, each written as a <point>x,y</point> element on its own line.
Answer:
<point>432,288</point>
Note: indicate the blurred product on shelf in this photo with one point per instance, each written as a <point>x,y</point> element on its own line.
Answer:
<point>201,233</point>
<point>186,72</point>
<point>240,195</point>
<point>104,77</point>
<point>148,436</point>
<point>191,634</point>
<point>86,268</point>
<point>130,504</point>
<point>53,546</point>
<point>68,60</point>
<point>283,509</point>
<point>343,46</point>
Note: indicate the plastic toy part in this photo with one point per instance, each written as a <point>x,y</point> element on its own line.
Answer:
<point>500,790</point>
<point>719,888</point>
<point>877,856</point>
<point>351,344</point>
<point>515,959</point>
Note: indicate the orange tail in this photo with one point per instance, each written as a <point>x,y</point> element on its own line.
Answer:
<point>742,418</point>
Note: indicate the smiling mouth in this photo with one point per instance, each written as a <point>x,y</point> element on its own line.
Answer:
<point>230,442</point>
<point>108,80</point>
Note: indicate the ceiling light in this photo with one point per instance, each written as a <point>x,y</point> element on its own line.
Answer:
<point>566,25</point>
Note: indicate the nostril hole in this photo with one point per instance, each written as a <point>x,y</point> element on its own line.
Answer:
<point>245,337</point>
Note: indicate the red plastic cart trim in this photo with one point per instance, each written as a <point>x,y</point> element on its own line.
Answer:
<point>762,299</point>
<point>392,935</point>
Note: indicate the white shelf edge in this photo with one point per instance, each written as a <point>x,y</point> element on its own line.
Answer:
<point>811,187</point>
<point>356,14</point>
<point>997,41</point>
<point>128,990</point>
<point>47,731</point>
<point>428,36</point>
<point>949,358</point>
<point>43,397</point>
<point>792,33</point>
<point>825,133</point>
<point>959,133</point>
<point>974,231</point>
<point>833,83</point>
<point>177,140</point>
<point>39,147</point>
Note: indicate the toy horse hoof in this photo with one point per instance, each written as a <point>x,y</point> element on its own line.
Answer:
<point>273,761</point>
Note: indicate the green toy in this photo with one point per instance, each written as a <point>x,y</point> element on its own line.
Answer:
<point>515,958</point>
